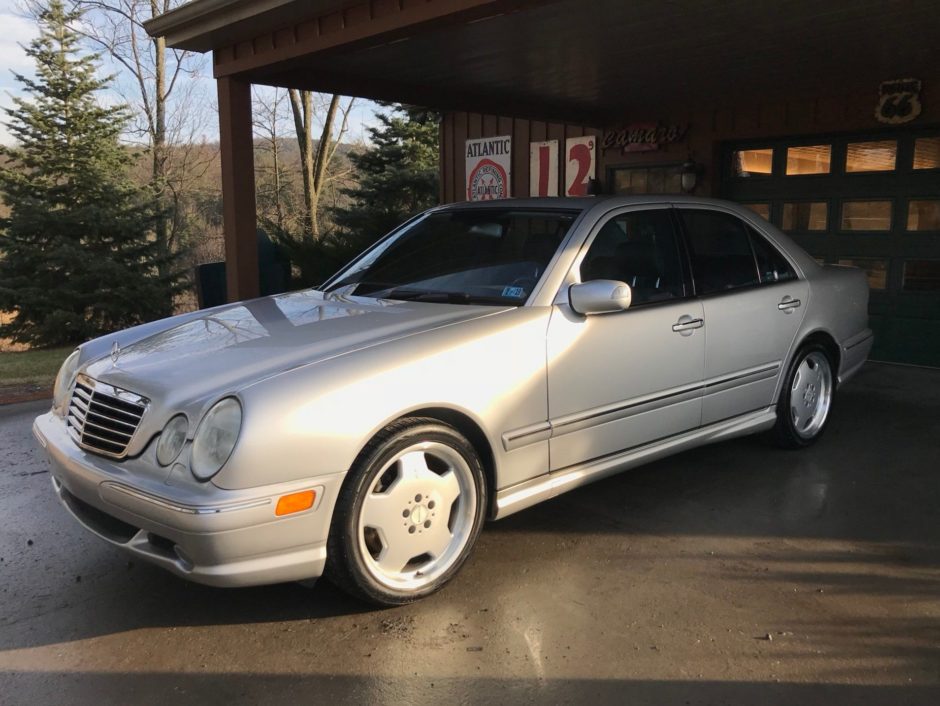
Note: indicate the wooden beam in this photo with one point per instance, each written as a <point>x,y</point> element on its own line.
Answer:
<point>238,189</point>
<point>343,29</point>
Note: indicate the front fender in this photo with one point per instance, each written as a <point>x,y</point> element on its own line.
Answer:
<point>316,419</point>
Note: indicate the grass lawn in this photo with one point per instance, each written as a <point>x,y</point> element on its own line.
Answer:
<point>37,367</point>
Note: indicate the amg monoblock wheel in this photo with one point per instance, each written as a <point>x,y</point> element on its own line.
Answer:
<point>806,398</point>
<point>408,515</point>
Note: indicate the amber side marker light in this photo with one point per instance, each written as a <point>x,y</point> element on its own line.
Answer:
<point>295,502</point>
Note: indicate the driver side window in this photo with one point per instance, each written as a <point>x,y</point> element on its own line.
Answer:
<point>641,249</point>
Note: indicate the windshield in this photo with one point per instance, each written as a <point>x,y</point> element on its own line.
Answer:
<point>474,256</point>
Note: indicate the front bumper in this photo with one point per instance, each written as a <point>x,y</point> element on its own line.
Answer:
<point>212,536</point>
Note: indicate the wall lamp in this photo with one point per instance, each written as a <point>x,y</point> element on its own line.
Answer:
<point>689,174</point>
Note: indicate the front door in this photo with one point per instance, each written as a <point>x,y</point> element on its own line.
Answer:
<point>621,380</point>
<point>754,304</point>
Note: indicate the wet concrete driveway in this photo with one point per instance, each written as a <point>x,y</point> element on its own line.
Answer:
<point>732,574</point>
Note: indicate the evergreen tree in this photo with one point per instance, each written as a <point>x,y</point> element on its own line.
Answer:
<point>398,176</point>
<point>77,254</point>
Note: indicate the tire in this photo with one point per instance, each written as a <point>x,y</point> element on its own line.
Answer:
<point>806,399</point>
<point>408,514</point>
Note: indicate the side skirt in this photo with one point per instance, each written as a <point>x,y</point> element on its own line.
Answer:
<point>531,492</point>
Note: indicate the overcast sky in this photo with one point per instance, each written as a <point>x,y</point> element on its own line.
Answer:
<point>16,31</point>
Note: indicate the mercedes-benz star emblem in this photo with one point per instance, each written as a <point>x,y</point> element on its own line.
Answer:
<point>115,352</point>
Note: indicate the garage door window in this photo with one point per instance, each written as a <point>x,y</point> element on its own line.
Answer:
<point>761,209</point>
<point>922,276</point>
<point>758,162</point>
<point>812,159</point>
<point>866,215</point>
<point>927,153</point>
<point>806,216</point>
<point>877,156</point>
<point>877,270</point>
<point>923,214</point>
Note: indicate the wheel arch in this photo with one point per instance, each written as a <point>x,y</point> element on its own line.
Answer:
<point>827,341</point>
<point>466,425</point>
<point>817,336</point>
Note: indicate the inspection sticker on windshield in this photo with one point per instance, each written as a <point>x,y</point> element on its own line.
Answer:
<point>513,292</point>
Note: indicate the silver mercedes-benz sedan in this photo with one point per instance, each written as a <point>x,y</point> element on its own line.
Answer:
<point>478,360</point>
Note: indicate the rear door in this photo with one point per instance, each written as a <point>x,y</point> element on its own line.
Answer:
<point>753,306</point>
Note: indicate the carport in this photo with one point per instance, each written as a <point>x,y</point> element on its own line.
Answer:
<point>733,88</point>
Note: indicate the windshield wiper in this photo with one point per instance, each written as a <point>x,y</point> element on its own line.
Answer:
<point>424,295</point>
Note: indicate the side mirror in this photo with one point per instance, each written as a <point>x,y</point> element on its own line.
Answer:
<point>599,296</point>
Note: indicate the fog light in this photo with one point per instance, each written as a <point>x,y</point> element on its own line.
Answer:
<point>295,502</point>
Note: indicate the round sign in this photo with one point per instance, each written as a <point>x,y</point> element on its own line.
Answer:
<point>487,181</point>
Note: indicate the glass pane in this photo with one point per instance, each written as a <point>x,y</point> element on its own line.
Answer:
<point>640,249</point>
<point>722,258</point>
<point>880,156</point>
<point>927,153</point>
<point>922,275</point>
<point>761,209</point>
<point>753,162</point>
<point>673,182</point>
<point>638,182</point>
<point>644,180</point>
<point>805,216</point>
<point>877,270</point>
<point>773,266</point>
<point>813,159</point>
<point>923,214</point>
<point>866,215</point>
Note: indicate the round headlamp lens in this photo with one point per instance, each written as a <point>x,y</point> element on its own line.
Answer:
<point>172,439</point>
<point>215,438</point>
<point>65,378</point>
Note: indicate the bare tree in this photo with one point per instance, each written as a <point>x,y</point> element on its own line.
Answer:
<point>272,184</point>
<point>170,111</point>
<point>315,159</point>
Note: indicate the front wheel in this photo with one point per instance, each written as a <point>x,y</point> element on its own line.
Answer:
<point>806,399</point>
<point>408,515</point>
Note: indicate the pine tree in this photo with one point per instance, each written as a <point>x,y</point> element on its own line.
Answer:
<point>397,177</point>
<point>77,254</point>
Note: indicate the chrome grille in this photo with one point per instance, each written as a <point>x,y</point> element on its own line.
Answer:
<point>103,418</point>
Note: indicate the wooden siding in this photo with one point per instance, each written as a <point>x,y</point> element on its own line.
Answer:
<point>458,127</point>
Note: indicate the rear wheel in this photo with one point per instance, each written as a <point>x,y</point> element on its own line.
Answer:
<point>806,398</point>
<point>408,515</point>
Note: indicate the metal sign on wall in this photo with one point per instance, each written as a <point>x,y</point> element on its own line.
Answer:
<point>580,164</point>
<point>543,168</point>
<point>489,168</point>
<point>898,101</point>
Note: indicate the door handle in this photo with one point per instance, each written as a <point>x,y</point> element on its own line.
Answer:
<point>686,324</point>
<point>788,304</point>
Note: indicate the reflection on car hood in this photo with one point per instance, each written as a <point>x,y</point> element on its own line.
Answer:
<point>226,348</point>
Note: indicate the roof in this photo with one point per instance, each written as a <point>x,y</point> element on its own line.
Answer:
<point>202,25</point>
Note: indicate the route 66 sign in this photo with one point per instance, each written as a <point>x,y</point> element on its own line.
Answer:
<point>898,101</point>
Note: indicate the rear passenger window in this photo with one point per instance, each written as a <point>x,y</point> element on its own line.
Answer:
<point>771,265</point>
<point>720,249</point>
<point>641,249</point>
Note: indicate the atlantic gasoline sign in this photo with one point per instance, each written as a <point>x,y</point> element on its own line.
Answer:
<point>489,168</point>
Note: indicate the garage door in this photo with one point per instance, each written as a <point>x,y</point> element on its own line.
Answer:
<point>869,200</point>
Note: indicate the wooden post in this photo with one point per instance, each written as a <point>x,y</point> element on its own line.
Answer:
<point>238,189</point>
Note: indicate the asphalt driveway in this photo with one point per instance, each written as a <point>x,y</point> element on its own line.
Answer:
<point>735,573</point>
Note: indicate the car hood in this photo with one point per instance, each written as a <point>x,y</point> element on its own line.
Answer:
<point>223,349</point>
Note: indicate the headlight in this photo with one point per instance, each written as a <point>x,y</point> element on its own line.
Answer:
<point>215,438</point>
<point>64,380</point>
<point>172,439</point>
